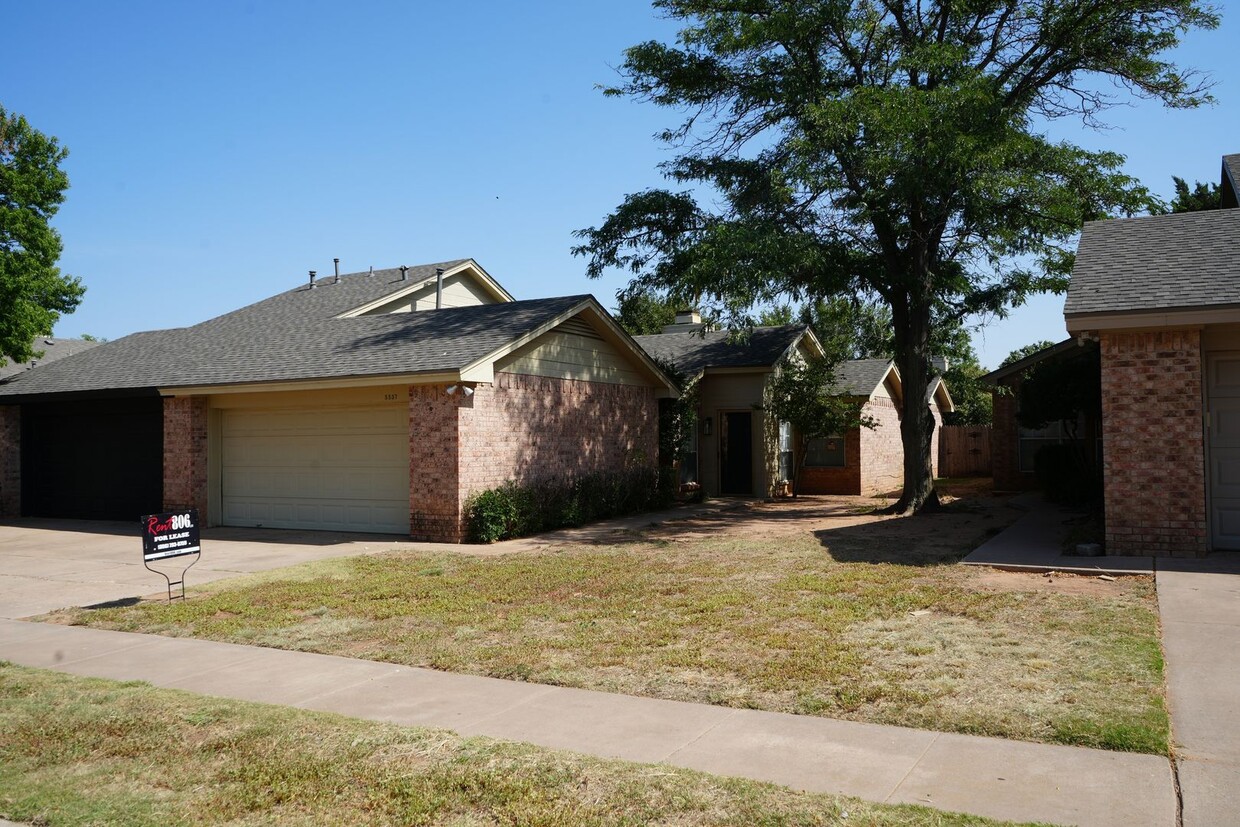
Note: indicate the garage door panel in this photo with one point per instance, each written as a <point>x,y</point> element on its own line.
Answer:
<point>343,469</point>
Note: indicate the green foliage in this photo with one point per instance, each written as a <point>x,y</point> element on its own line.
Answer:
<point>891,152</point>
<point>1200,197</point>
<point>970,394</point>
<point>1025,352</point>
<point>677,417</point>
<point>516,510</point>
<point>801,394</point>
<point>642,313</point>
<point>33,293</point>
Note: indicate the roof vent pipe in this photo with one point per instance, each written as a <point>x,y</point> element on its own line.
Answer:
<point>404,272</point>
<point>336,261</point>
<point>312,274</point>
<point>438,287</point>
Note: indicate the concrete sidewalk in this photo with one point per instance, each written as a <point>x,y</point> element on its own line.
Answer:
<point>1199,601</point>
<point>986,776</point>
<point>1035,543</point>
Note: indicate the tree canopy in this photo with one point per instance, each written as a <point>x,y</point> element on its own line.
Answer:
<point>1199,197</point>
<point>1025,351</point>
<point>33,293</point>
<point>888,150</point>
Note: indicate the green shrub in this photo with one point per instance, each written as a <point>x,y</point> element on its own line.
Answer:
<point>515,510</point>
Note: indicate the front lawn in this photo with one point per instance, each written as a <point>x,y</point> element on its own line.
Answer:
<point>806,607</point>
<point>76,751</point>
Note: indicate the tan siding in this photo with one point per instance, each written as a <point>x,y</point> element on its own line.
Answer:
<point>573,350</point>
<point>459,290</point>
<point>723,392</point>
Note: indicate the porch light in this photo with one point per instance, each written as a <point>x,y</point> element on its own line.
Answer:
<point>706,426</point>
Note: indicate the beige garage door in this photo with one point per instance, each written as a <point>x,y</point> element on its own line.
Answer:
<point>344,469</point>
<point>1223,385</point>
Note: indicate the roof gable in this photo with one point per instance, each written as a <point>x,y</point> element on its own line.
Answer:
<point>53,349</point>
<point>1157,263</point>
<point>863,377</point>
<point>695,352</point>
<point>1229,186</point>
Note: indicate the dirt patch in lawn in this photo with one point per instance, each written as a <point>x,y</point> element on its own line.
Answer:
<point>1089,585</point>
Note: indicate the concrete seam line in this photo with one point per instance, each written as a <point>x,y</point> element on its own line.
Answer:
<point>727,717</point>
<point>547,690</point>
<point>912,767</point>
<point>1162,648</point>
<point>109,653</point>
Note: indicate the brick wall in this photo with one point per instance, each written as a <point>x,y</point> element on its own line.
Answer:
<point>882,452</point>
<point>846,480</point>
<point>185,454</point>
<point>1005,441</point>
<point>10,461</point>
<point>524,428</point>
<point>434,462</point>
<point>1154,455</point>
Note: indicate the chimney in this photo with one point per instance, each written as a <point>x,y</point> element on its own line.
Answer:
<point>336,262</point>
<point>404,273</point>
<point>687,321</point>
<point>312,284</point>
<point>438,287</point>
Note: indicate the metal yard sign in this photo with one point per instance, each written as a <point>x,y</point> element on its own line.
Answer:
<point>165,536</point>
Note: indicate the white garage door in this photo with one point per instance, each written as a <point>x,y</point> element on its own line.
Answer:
<point>344,469</point>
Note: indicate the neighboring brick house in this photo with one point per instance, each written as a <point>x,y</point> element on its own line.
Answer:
<point>1161,296</point>
<point>1013,448</point>
<point>870,461</point>
<point>347,404</point>
<point>738,450</point>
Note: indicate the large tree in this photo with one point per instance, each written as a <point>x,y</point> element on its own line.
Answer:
<point>33,292</point>
<point>889,150</point>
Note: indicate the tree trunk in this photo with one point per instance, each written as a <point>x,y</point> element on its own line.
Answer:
<point>912,339</point>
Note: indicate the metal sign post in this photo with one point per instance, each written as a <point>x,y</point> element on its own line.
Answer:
<point>166,536</point>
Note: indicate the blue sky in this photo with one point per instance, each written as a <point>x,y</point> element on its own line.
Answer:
<point>220,150</point>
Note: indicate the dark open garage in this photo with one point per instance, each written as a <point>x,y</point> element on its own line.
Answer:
<point>92,459</point>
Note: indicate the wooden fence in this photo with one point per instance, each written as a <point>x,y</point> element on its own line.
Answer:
<point>964,451</point>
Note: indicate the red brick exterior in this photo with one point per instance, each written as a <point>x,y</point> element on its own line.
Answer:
<point>1154,454</point>
<point>185,454</point>
<point>873,457</point>
<point>10,461</point>
<point>523,428</point>
<point>1005,440</point>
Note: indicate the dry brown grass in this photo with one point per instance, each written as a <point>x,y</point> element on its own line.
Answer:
<point>803,606</point>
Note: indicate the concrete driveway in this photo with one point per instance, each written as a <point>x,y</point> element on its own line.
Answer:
<point>50,564</point>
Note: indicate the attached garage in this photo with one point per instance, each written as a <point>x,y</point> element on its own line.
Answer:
<point>342,469</point>
<point>92,459</point>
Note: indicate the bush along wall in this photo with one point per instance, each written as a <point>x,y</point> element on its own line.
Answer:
<point>518,510</point>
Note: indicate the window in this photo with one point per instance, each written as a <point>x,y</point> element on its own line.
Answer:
<point>825,452</point>
<point>785,451</point>
<point>689,455</point>
<point>1031,441</point>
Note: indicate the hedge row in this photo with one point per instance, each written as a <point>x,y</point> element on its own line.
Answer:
<point>515,510</point>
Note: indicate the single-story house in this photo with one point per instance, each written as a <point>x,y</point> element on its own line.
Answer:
<point>1013,447</point>
<point>739,450</point>
<point>1161,296</point>
<point>375,401</point>
<point>870,461</point>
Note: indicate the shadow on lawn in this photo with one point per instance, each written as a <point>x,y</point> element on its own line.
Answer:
<point>942,538</point>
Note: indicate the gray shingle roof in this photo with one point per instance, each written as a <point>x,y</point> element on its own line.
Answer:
<point>692,353</point>
<point>1156,263</point>
<point>859,377</point>
<point>294,336</point>
<point>53,349</point>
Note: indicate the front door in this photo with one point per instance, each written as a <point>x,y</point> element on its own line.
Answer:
<point>1223,460</point>
<point>736,449</point>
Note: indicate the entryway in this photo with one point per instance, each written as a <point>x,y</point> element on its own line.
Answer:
<point>736,453</point>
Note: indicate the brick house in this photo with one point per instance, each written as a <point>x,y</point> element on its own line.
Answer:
<point>738,450</point>
<point>1013,447</point>
<point>367,402</point>
<point>1161,297</point>
<point>870,461</point>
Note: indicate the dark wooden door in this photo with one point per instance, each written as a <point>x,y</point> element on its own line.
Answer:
<point>736,463</point>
